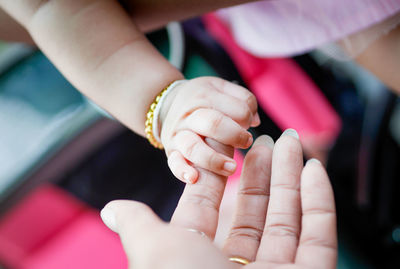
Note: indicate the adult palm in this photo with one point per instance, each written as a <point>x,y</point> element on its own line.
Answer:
<point>285,217</point>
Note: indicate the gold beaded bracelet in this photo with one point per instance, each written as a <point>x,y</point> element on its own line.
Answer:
<point>149,121</point>
<point>151,125</point>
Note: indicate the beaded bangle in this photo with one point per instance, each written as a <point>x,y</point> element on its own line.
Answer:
<point>151,125</point>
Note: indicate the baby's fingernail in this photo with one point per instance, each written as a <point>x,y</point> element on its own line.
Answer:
<point>313,160</point>
<point>291,132</point>
<point>265,140</point>
<point>108,217</point>
<point>246,139</point>
<point>230,166</point>
<point>256,120</point>
<point>249,140</point>
<point>186,177</point>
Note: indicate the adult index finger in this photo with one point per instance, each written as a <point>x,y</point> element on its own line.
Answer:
<point>198,207</point>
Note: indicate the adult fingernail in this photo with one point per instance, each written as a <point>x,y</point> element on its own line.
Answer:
<point>230,166</point>
<point>108,217</point>
<point>264,140</point>
<point>313,160</point>
<point>291,132</point>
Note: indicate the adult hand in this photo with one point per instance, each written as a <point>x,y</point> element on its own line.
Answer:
<point>285,217</point>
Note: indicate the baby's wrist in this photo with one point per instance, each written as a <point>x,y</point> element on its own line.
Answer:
<point>167,104</point>
<point>157,111</point>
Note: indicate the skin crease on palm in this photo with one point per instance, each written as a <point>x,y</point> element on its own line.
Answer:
<point>284,217</point>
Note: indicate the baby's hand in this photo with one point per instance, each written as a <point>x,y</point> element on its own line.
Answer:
<point>205,107</point>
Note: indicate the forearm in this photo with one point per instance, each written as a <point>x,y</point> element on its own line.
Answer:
<point>99,50</point>
<point>382,58</point>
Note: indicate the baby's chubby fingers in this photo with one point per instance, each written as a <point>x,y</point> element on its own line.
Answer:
<point>181,169</point>
<point>238,92</point>
<point>236,109</point>
<point>214,124</point>
<point>194,149</point>
<point>203,93</point>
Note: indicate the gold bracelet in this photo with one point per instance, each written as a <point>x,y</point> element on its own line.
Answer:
<point>149,121</point>
<point>152,123</point>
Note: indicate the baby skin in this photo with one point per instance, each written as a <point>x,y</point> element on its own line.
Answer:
<point>102,51</point>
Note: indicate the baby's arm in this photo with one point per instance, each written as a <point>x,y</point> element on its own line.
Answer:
<point>96,45</point>
<point>100,51</point>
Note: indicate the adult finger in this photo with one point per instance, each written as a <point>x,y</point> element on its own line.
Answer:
<point>137,226</point>
<point>252,202</point>
<point>214,124</point>
<point>282,228</point>
<point>195,150</point>
<point>198,207</point>
<point>318,241</point>
<point>150,243</point>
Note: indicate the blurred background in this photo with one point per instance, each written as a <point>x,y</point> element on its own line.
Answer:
<point>63,158</point>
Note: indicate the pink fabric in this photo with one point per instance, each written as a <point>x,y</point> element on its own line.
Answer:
<point>34,221</point>
<point>50,229</point>
<point>282,89</point>
<point>85,243</point>
<point>288,27</point>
